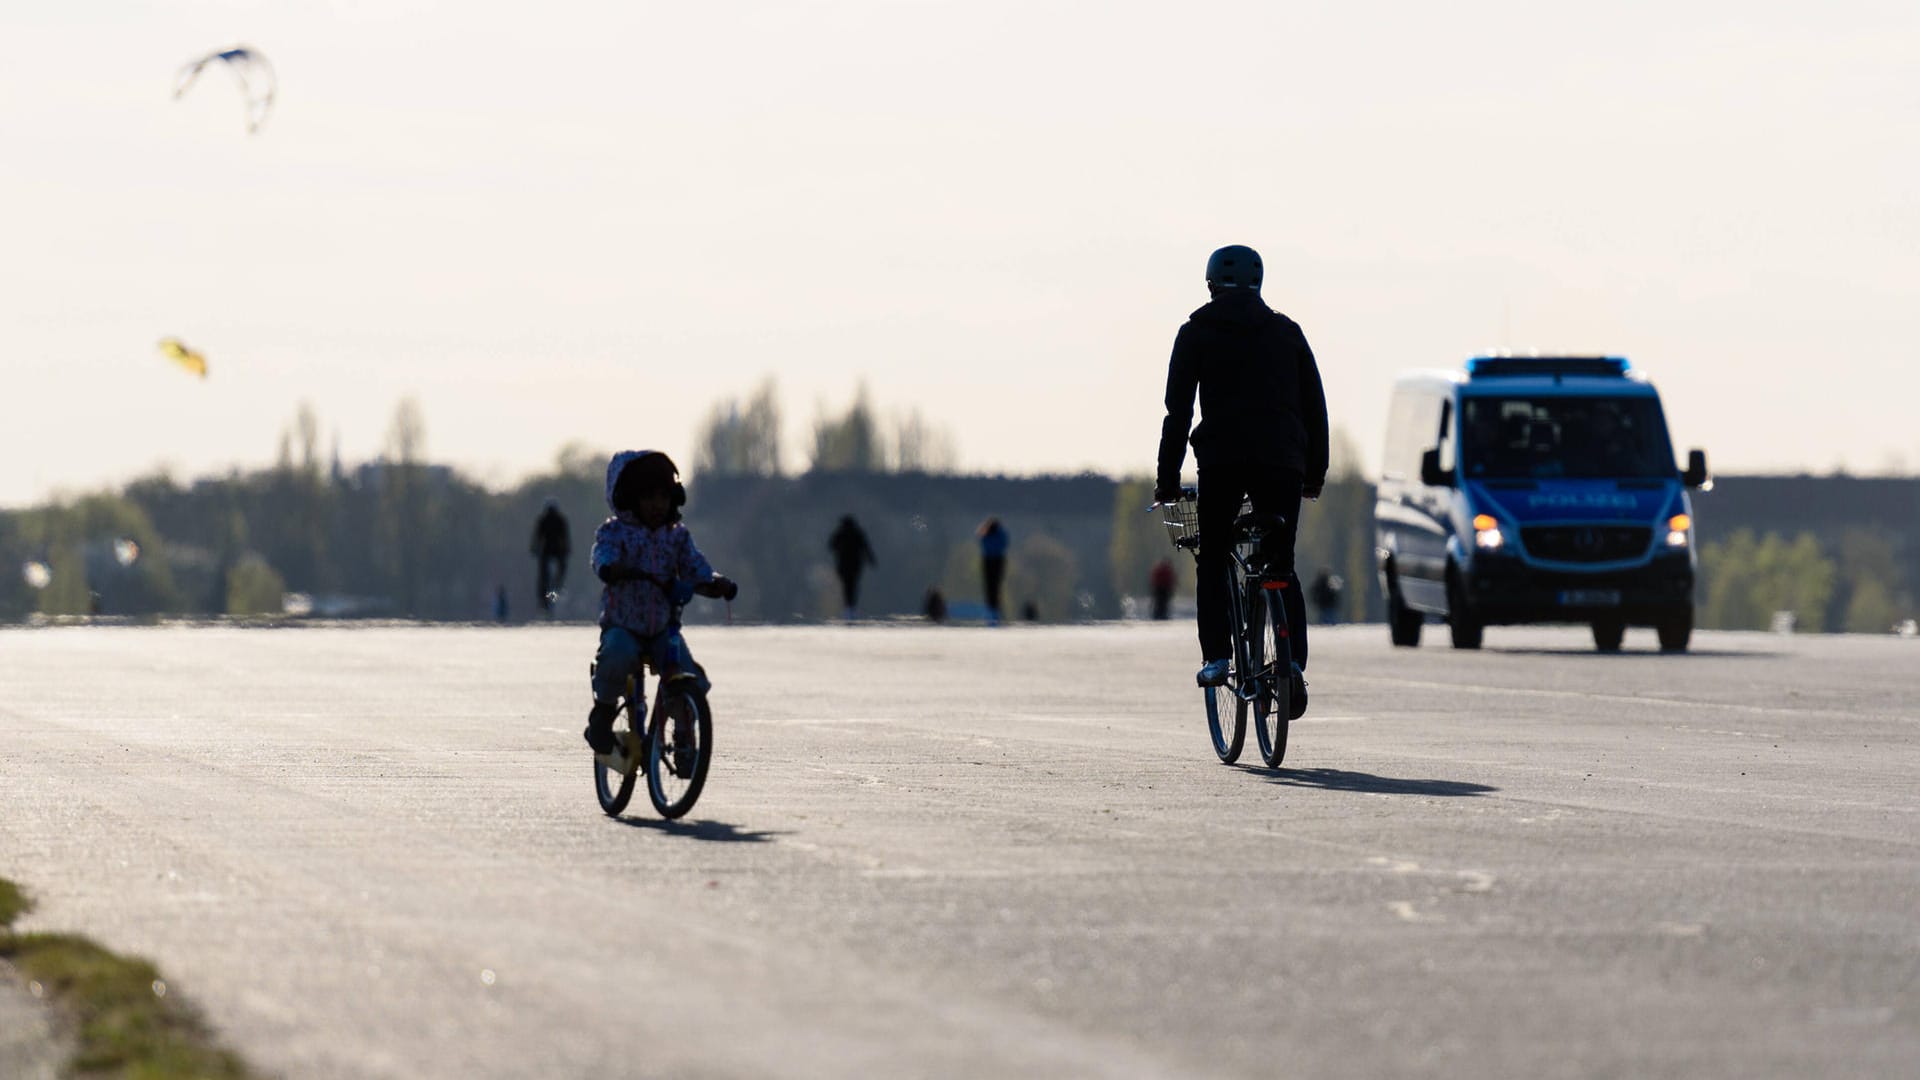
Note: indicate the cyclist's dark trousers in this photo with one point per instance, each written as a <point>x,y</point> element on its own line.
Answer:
<point>1272,491</point>
<point>553,571</point>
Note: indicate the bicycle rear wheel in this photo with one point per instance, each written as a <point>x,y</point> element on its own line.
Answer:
<point>1227,710</point>
<point>1226,722</point>
<point>679,748</point>
<point>1272,672</point>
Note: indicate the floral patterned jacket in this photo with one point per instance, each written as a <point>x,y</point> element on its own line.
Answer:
<point>666,554</point>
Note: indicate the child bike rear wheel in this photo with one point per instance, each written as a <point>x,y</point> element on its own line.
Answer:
<point>679,749</point>
<point>1272,673</point>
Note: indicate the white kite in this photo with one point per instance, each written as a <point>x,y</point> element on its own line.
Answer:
<point>250,67</point>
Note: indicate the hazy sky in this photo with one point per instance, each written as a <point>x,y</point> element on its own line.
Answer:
<point>572,221</point>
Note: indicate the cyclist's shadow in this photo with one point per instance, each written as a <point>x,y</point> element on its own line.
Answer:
<point>719,832</point>
<point>1367,783</point>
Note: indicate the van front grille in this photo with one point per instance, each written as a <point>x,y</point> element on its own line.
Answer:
<point>1586,543</point>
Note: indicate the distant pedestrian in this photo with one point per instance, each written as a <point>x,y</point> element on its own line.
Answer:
<point>1160,580</point>
<point>993,563</point>
<point>552,543</point>
<point>1326,590</point>
<point>851,555</point>
<point>500,604</point>
<point>935,605</point>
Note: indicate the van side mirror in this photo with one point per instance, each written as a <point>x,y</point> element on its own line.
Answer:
<point>1432,475</point>
<point>1696,475</point>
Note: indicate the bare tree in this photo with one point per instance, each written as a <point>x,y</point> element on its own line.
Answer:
<point>742,438</point>
<point>407,434</point>
<point>921,446</point>
<point>852,442</point>
<point>306,429</point>
<point>1343,456</point>
<point>402,494</point>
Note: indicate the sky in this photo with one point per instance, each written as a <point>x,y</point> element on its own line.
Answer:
<point>587,222</point>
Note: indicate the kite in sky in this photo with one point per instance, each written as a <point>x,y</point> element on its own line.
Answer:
<point>253,71</point>
<point>174,350</point>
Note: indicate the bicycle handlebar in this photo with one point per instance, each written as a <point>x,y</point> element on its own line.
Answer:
<point>1188,493</point>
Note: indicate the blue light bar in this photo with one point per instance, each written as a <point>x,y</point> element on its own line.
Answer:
<point>1481,367</point>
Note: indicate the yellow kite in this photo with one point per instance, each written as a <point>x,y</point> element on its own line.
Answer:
<point>174,350</point>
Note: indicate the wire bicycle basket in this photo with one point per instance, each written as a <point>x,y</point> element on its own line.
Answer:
<point>1182,519</point>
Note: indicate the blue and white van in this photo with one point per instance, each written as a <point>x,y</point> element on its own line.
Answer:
<point>1535,489</point>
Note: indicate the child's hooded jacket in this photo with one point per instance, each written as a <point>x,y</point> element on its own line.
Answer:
<point>666,555</point>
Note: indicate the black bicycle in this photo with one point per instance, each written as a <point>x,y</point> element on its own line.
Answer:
<point>1262,676</point>
<point>675,748</point>
<point>677,745</point>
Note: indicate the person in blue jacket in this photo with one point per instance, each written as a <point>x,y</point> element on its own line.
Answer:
<point>993,563</point>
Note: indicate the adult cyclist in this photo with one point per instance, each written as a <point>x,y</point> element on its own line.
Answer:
<point>1262,437</point>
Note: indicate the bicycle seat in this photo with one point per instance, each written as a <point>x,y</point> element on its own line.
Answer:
<point>1248,524</point>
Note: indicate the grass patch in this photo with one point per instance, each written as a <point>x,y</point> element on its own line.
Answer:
<point>126,1022</point>
<point>13,904</point>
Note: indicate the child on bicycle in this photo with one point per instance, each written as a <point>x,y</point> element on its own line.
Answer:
<point>651,568</point>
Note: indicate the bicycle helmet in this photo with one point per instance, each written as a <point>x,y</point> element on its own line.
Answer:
<point>1235,266</point>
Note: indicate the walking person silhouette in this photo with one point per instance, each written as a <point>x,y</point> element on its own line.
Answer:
<point>852,554</point>
<point>551,545</point>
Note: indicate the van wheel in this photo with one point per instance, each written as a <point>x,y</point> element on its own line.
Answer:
<point>1675,631</point>
<point>1464,628</point>
<point>1403,623</point>
<point>1608,633</point>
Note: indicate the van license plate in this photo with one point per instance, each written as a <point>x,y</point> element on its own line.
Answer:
<point>1590,598</point>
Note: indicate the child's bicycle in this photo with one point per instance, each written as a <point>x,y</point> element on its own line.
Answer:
<point>675,748</point>
<point>1262,676</point>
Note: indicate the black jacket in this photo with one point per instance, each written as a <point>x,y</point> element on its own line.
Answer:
<point>1260,397</point>
<point>850,548</point>
<point>550,535</point>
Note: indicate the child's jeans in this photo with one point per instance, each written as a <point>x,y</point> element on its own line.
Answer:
<point>620,653</point>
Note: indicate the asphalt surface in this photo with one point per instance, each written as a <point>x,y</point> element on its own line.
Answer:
<point>375,852</point>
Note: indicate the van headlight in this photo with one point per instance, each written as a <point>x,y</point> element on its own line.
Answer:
<point>1486,533</point>
<point>1679,530</point>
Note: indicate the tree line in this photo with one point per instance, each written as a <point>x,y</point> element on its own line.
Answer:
<point>400,536</point>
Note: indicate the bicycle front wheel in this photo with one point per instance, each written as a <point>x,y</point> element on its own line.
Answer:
<point>613,776</point>
<point>1272,673</point>
<point>612,784</point>
<point>679,749</point>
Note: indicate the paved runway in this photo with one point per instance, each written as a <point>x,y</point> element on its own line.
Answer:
<point>375,852</point>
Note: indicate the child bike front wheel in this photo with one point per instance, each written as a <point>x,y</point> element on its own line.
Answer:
<point>613,774</point>
<point>679,747</point>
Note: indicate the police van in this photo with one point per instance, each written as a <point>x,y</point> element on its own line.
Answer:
<point>1535,489</point>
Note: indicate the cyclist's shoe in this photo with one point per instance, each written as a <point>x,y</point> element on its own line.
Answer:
<point>1213,672</point>
<point>599,733</point>
<point>1298,690</point>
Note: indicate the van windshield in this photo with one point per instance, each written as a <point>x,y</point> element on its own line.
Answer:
<point>1585,437</point>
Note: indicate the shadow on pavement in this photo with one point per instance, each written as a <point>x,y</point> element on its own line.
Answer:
<point>1718,654</point>
<point>1338,780</point>
<point>718,832</point>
